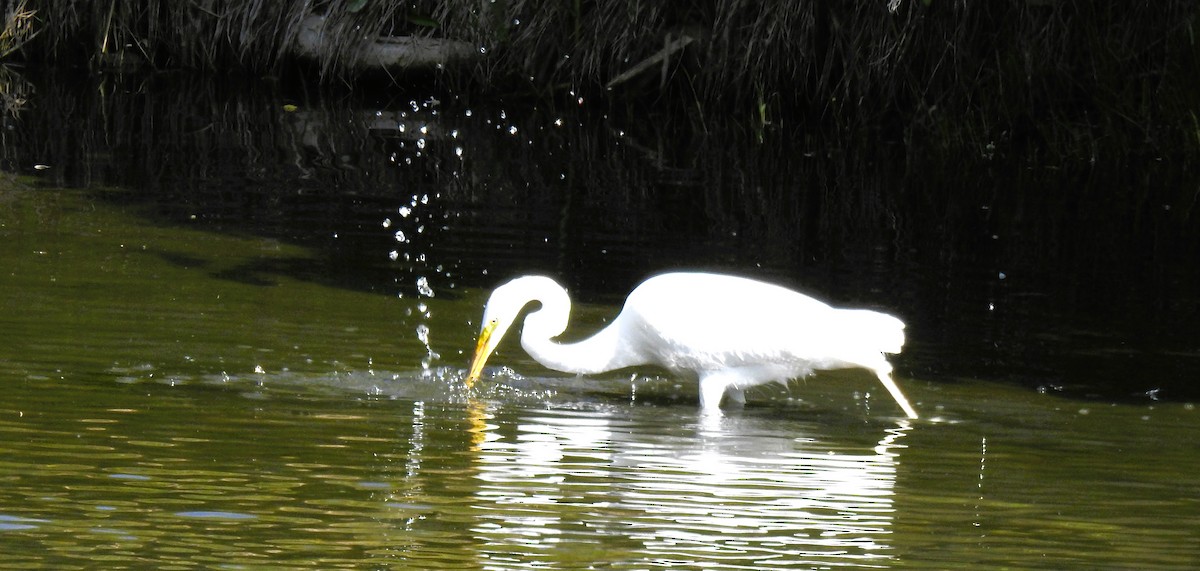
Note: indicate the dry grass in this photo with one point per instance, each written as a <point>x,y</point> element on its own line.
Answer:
<point>18,27</point>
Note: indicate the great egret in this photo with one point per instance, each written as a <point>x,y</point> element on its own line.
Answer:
<point>731,332</point>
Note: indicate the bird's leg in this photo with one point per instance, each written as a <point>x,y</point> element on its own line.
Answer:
<point>894,389</point>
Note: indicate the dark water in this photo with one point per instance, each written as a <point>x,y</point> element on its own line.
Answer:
<point>232,334</point>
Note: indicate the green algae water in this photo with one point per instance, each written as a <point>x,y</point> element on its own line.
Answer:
<point>170,401</point>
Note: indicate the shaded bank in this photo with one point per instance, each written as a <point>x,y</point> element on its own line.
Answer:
<point>1061,76</point>
<point>1076,276</point>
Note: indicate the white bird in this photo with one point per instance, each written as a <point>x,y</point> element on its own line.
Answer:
<point>731,332</point>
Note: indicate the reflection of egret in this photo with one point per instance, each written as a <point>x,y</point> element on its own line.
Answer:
<point>758,491</point>
<point>731,332</point>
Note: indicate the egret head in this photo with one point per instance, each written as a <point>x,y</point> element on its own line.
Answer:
<point>505,306</point>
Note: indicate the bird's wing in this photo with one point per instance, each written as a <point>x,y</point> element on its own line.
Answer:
<point>699,321</point>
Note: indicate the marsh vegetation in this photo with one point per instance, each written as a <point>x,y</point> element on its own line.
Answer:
<point>1048,77</point>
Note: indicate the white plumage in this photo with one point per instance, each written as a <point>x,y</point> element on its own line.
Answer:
<point>731,332</point>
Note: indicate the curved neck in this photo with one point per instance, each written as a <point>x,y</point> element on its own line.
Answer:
<point>601,352</point>
<point>596,354</point>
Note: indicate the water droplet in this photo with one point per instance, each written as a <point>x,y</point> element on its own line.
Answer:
<point>423,287</point>
<point>394,255</point>
<point>512,130</point>
<point>404,211</point>
<point>387,222</point>
<point>458,151</point>
<point>400,237</point>
<point>421,143</point>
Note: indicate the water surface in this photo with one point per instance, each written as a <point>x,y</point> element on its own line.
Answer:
<point>232,335</point>
<point>158,413</point>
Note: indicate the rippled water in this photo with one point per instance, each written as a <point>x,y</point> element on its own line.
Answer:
<point>271,472</point>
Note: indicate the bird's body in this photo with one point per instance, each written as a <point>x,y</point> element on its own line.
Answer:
<point>731,332</point>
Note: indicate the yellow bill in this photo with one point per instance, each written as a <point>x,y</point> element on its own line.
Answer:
<point>483,350</point>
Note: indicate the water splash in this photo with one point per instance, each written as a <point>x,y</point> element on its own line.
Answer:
<point>979,485</point>
<point>431,356</point>
<point>423,287</point>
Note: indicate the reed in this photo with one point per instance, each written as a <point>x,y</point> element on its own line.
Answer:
<point>1059,73</point>
<point>18,28</point>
